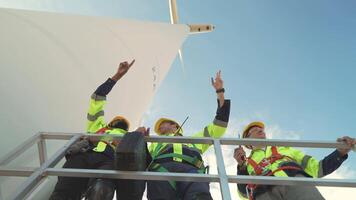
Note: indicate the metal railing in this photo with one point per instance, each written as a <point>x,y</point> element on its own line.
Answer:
<point>37,175</point>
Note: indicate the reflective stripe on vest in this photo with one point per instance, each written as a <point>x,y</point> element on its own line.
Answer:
<point>177,149</point>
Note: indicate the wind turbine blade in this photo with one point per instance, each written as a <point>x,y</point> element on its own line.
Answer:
<point>180,52</point>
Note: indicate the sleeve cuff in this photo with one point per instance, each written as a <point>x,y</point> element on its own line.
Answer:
<point>220,123</point>
<point>105,88</point>
<point>242,170</point>
<point>96,97</point>
<point>340,157</point>
<point>112,81</point>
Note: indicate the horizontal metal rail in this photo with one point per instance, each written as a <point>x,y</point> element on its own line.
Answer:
<point>25,172</point>
<point>138,175</point>
<point>305,181</point>
<point>223,141</point>
<point>11,171</point>
<point>168,176</point>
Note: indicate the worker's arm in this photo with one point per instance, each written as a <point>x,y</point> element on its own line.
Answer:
<point>334,160</point>
<point>219,125</point>
<point>240,157</point>
<point>95,114</point>
<point>316,168</point>
<point>241,188</point>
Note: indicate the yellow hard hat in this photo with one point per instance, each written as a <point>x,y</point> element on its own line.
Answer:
<point>161,120</point>
<point>252,124</point>
<point>119,118</point>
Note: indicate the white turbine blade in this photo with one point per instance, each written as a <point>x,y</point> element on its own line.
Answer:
<point>180,52</point>
<point>173,11</point>
<point>69,55</point>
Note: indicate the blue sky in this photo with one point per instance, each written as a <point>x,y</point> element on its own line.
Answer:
<point>289,63</point>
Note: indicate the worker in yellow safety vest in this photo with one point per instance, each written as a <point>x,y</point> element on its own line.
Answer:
<point>95,153</point>
<point>185,158</point>
<point>283,161</point>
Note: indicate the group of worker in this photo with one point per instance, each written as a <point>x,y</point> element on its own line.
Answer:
<point>187,158</point>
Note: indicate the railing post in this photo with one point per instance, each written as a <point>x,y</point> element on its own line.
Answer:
<point>42,150</point>
<point>224,183</point>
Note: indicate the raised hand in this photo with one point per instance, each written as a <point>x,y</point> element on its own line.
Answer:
<point>122,70</point>
<point>350,142</point>
<point>240,155</point>
<point>217,83</point>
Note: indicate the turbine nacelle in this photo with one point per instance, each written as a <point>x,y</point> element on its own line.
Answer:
<point>201,28</point>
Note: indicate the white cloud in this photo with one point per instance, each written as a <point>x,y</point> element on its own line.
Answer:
<point>331,193</point>
<point>275,132</point>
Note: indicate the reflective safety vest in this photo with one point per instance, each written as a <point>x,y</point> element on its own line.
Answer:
<point>185,153</point>
<point>274,160</point>
<point>188,153</point>
<point>262,161</point>
<point>262,167</point>
<point>97,125</point>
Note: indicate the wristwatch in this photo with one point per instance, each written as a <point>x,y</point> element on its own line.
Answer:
<point>221,90</point>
